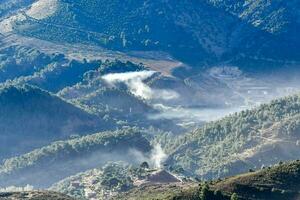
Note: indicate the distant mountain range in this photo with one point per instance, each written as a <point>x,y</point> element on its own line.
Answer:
<point>209,30</point>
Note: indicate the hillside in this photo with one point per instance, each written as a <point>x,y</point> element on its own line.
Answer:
<point>32,117</point>
<point>246,140</point>
<point>221,30</point>
<point>65,158</point>
<point>98,183</point>
<point>113,180</point>
<point>181,191</point>
<point>34,195</point>
<point>147,99</point>
<point>124,101</point>
<point>51,72</point>
<point>280,181</point>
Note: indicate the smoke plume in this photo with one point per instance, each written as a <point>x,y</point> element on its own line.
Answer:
<point>158,156</point>
<point>135,84</point>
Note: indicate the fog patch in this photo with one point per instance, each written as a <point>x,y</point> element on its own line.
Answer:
<point>195,115</point>
<point>135,83</point>
<point>26,188</point>
<point>52,172</point>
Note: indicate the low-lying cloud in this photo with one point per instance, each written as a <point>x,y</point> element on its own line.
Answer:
<point>194,115</point>
<point>135,83</point>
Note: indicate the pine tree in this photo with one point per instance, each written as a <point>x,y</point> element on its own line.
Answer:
<point>204,192</point>
<point>234,197</point>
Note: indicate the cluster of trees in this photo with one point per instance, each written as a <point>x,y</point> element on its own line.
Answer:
<point>76,155</point>
<point>9,6</point>
<point>210,150</point>
<point>22,61</point>
<point>20,65</point>
<point>114,24</point>
<point>107,181</point>
<point>36,116</point>
<point>205,193</point>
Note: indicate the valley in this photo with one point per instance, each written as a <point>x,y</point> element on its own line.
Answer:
<point>110,99</point>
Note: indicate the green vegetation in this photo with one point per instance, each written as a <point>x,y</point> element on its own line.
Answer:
<point>121,25</point>
<point>274,20</point>
<point>278,182</point>
<point>76,155</point>
<point>31,117</point>
<point>160,25</point>
<point>187,191</point>
<point>234,197</point>
<point>223,148</point>
<point>18,61</point>
<point>34,195</point>
<point>114,104</point>
<point>111,179</point>
<point>20,65</point>
<point>11,5</point>
<point>205,193</point>
<point>49,163</point>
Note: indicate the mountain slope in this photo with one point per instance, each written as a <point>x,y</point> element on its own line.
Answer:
<point>52,72</point>
<point>207,30</point>
<point>34,195</point>
<point>277,182</point>
<point>65,158</point>
<point>31,117</point>
<point>234,144</point>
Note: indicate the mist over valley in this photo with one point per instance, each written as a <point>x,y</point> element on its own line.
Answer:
<point>110,99</point>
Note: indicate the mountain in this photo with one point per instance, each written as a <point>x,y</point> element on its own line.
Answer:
<point>99,183</point>
<point>246,140</point>
<point>86,86</point>
<point>8,6</point>
<point>113,180</point>
<point>34,195</point>
<point>181,191</point>
<point>61,159</point>
<point>207,30</point>
<point>280,181</point>
<point>120,101</point>
<point>32,117</point>
<point>51,72</point>
<point>206,56</point>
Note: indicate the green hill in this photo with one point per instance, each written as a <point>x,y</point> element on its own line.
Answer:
<point>207,30</point>
<point>65,158</point>
<point>31,117</point>
<point>34,195</point>
<point>51,72</point>
<point>239,142</point>
<point>278,182</point>
<point>184,191</point>
<point>116,104</point>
